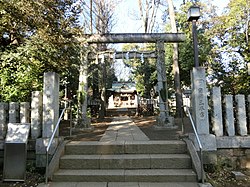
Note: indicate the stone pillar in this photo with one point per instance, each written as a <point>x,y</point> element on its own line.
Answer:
<point>36,114</point>
<point>199,100</point>
<point>50,103</point>
<point>241,115</point>
<point>3,119</point>
<point>25,112</point>
<point>217,111</point>
<point>164,120</point>
<point>14,116</point>
<point>50,117</point>
<point>248,99</point>
<point>200,110</point>
<point>229,115</point>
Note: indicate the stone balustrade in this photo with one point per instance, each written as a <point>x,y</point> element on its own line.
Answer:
<point>230,113</point>
<point>24,112</point>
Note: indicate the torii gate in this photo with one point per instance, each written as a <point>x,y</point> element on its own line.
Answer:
<point>164,120</point>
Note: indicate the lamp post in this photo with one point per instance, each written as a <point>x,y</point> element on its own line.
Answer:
<point>193,15</point>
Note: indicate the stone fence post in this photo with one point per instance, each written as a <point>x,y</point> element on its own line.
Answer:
<point>229,115</point>
<point>14,115</point>
<point>25,112</point>
<point>241,115</point>
<point>217,111</point>
<point>3,119</point>
<point>36,114</point>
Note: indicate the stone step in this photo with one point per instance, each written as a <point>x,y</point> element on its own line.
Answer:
<point>126,147</point>
<point>125,161</point>
<point>120,184</point>
<point>121,175</point>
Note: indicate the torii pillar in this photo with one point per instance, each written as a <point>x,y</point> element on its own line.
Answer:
<point>164,120</point>
<point>83,119</point>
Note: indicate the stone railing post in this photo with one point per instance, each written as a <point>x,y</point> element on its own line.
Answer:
<point>14,109</point>
<point>3,119</point>
<point>25,112</point>
<point>229,115</point>
<point>217,111</point>
<point>241,115</point>
<point>36,114</point>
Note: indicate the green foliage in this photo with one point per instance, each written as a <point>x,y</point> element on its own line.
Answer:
<point>36,37</point>
<point>186,54</point>
<point>223,46</point>
<point>143,72</point>
<point>230,32</point>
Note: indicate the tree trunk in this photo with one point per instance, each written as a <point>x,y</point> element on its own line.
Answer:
<point>177,82</point>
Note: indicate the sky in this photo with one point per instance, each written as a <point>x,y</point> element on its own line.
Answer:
<point>127,9</point>
<point>127,23</point>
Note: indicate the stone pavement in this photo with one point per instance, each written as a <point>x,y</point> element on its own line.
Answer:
<point>121,128</point>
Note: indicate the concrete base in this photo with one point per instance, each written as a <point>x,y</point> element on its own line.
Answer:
<point>208,141</point>
<point>83,123</point>
<point>41,145</point>
<point>233,142</point>
<point>165,123</point>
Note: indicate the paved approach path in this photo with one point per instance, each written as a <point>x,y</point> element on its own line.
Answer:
<point>123,128</point>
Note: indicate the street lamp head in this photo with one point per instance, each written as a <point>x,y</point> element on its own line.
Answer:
<point>193,13</point>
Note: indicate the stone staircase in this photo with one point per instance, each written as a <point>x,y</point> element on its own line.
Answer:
<point>126,161</point>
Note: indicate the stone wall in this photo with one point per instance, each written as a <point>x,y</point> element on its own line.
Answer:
<point>238,158</point>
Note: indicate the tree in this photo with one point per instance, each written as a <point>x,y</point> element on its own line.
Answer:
<point>35,37</point>
<point>148,11</point>
<point>186,56</point>
<point>230,35</point>
<point>223,46</point>
<point>99,15</point>
<point>103,14</point>
<point>143,70</point>
<point>176,71</point>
